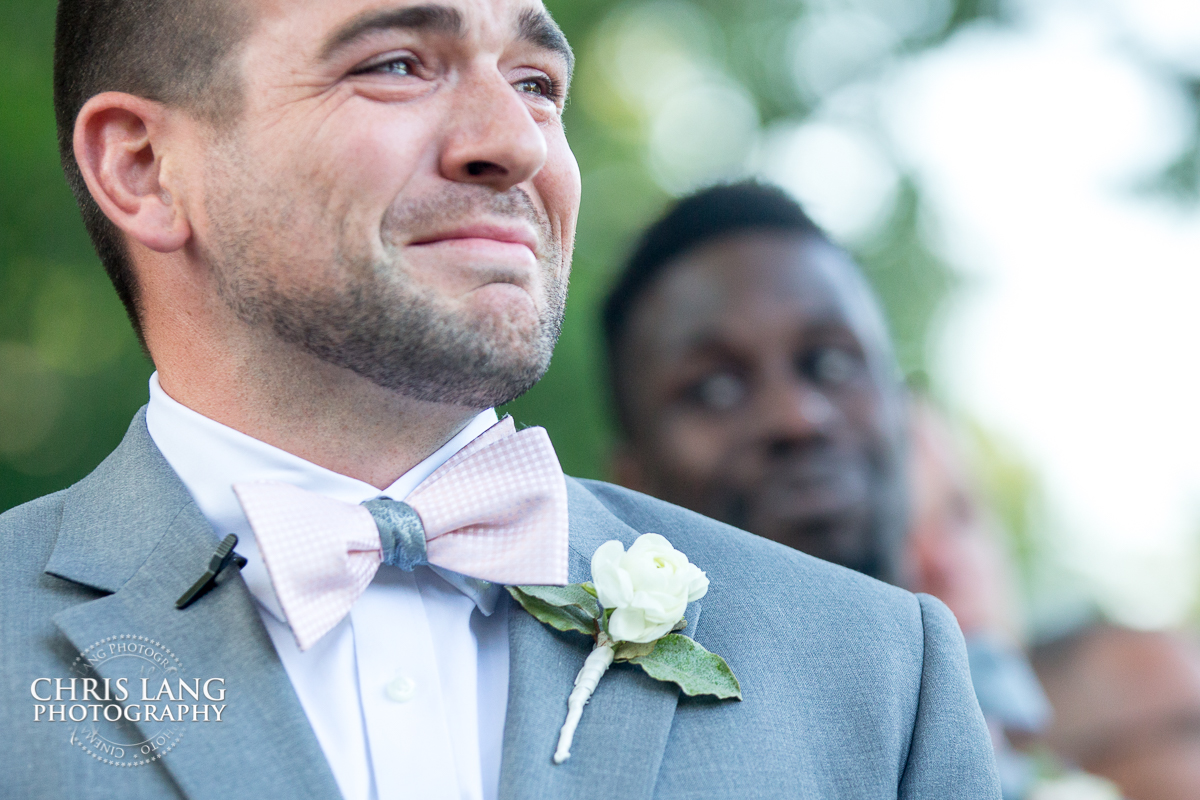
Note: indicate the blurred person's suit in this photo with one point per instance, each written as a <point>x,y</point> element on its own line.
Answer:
<point>853,689</point>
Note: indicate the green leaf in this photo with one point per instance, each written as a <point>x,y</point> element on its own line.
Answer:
<point>627,651</point>
<point>560,596</point>
<point>589,587</point>
<point>565,617</point>
<point>684,661</point>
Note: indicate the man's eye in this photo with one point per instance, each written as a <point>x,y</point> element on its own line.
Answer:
<point>540,86</point>
<point>830,366</point>
<point>406,65</point>
<point>720,392</point>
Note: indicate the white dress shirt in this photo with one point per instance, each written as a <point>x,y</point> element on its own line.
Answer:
<point>407,695</point>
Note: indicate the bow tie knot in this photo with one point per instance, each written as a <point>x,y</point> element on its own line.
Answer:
<point>496,511</point>
<point>401,533</point>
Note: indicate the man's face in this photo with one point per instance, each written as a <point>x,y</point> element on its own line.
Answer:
<point>397,196</point>
<point>759,389</point>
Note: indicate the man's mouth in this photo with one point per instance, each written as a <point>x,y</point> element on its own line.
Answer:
<point>488,241</point>
<point>820,485</point>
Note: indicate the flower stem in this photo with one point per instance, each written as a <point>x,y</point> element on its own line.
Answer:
<point>597,663</point>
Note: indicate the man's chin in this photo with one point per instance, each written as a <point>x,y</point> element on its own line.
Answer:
<point>469,392</point>
<point>506,314</point>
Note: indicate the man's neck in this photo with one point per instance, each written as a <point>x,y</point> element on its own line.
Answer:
<point>324,414</point>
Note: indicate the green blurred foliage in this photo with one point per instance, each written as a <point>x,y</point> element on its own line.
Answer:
<point>1015,495</point>
<point>71,372</point>
<point>1180,179</point>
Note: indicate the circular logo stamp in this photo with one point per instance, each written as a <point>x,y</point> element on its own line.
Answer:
<point>130,739</point>
<point>128,700</point>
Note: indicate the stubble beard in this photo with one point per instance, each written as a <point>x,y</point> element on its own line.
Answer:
<point>375,321</point>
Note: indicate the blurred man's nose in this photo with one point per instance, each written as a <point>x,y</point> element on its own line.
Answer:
<point>492,138</point>
<point>792,410</point>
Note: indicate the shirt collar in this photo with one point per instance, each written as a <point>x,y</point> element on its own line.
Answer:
<point>210,457</point>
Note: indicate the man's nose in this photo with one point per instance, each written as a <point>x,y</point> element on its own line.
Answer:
<point>492,138</point>
<point>793,410</point>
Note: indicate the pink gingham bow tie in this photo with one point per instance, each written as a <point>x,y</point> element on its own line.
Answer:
<point>495,511</point>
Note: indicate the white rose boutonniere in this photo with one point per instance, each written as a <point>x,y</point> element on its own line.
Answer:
<point>631,608</point>
<point>647,588</point>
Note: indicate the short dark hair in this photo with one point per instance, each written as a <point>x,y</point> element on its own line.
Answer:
<point>708,215</point>
<point>171,51</point>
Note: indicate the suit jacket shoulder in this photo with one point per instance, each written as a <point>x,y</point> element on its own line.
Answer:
<point>89,576</point>
<point>852,687</point>
<point>27,534</point>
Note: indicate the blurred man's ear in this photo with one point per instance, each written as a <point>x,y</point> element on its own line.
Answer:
<point>627,470</point>
<point>117,144</point>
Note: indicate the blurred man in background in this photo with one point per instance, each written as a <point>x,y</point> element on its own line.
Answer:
<point>1127,707</point>
<point>754,379</point>
<point>754,382</point>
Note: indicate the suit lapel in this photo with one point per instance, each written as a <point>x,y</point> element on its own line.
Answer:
<point>621,738</point>
<point>132,530</point>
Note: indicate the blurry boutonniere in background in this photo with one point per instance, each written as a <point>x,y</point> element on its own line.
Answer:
<point>631,608</point>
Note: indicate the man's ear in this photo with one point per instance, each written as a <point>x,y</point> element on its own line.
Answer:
<point>118,148</point>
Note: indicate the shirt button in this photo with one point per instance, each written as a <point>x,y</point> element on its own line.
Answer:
<point>401,689</point>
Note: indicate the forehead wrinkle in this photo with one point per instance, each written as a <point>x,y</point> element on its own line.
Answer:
<point>538,28</point>
<point>433,18</point>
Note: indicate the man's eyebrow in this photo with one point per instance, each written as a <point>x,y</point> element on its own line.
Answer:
<point>439,19</point>
<point>539,28</point>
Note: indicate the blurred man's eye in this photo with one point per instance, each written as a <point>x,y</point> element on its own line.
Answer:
<point>720,392</point>
<point>830,366</point>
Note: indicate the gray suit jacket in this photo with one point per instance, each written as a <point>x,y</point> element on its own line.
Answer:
<point>853,689</point>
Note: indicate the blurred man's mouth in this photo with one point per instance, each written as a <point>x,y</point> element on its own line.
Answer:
<point>821,485</point>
